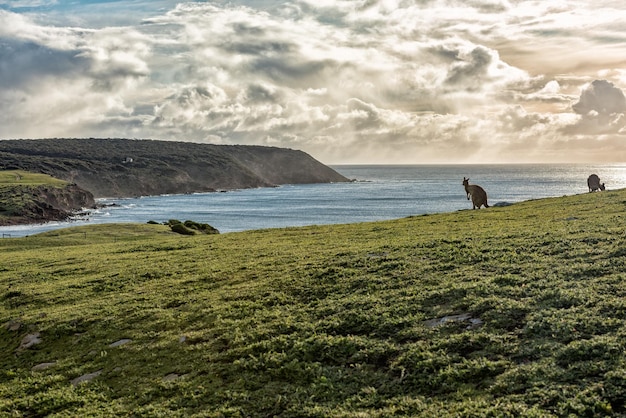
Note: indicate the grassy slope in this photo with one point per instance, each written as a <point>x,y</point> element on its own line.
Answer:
<point>326,320</point>
<point>16,188</point>
<point>10,178</point>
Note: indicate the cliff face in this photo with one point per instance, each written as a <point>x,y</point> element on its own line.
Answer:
<point>127,168</point>
<point>36,204</point>
<point>68,199</point>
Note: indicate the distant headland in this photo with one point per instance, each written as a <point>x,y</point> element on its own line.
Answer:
<point>129,168</point>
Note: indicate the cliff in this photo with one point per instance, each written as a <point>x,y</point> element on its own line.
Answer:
<point>43,203</point>
<point>126,168</point>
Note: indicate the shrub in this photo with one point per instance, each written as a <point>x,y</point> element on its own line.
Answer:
<point>204,228</point>
<point>190,227</point>
<point>179,228</point>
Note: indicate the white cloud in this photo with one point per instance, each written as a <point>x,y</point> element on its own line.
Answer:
<point>348,81</point>
<point>601,97</point>
<point>67,81</point>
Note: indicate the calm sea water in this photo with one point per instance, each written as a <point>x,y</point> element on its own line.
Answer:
<point>379,192</point>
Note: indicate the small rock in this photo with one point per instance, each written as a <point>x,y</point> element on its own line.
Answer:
<point>475,323</point>
<point>170,377</point>
<point>120,342</point>
<point>29,340</point>
<point>182,339</point>
<point>43,366</point>
<point>460,318</point>
<point>432,323</point>
<point>13,325</point>
<point>85,378</point>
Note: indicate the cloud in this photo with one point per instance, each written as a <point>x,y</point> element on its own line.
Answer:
<point>67,81</point>
<point>63,52</point>
<point>602,97</point>
<point>22,62</point>
<point>348,81</point>
<point>601,108</point>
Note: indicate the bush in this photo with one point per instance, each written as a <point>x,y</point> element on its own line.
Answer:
<point>190,227</point>
<point>179,228</point>
<point>203,228</point>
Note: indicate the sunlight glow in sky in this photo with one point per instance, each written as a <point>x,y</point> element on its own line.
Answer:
<point>348,81</point>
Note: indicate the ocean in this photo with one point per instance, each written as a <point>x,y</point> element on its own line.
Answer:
<point>378,192</point>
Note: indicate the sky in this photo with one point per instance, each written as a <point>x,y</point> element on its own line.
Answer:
<point>347,81</point>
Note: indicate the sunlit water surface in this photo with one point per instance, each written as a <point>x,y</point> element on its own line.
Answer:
<point>379,192</point>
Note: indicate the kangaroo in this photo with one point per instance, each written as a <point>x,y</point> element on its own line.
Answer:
<point>594,183</point>
<point>478,194</point>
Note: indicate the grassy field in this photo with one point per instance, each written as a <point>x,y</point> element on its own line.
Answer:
<point>517,311</point>
<point>18,193</point>
<point>10,178</point>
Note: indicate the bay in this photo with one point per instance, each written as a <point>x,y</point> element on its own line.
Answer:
<point>378,193</point>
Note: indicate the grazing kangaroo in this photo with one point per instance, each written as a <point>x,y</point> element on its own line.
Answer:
<point>478,194</point>
<point>594,183</point>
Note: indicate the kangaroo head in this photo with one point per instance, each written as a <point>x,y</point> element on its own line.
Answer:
<point>465,181</point>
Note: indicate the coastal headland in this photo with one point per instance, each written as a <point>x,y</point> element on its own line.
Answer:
<point>129,168</point>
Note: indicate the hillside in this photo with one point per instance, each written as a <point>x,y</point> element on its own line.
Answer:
<point>516,311</point>
<point>126,168</point>
<point>35,198</point>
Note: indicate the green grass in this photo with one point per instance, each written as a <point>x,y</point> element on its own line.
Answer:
<point>17,189</point>
<point>25,178</point>
<point>326,321</point>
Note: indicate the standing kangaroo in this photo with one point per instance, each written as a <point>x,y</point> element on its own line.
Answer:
<point>478,194</point>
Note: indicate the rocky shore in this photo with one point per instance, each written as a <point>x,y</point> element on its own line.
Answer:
<point>39,204</point>
<point>129,168</point>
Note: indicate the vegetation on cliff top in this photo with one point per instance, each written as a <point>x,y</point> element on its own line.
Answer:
<point>11,178</point>
<point>32,197</point>
<point>516,311</point>
<point>125,168</point>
